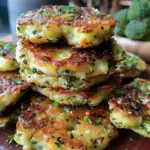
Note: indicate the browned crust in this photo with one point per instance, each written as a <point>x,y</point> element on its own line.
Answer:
<point>128,101</point>
<point>11,81</point>
<point>28,117</point>
<point>81,18</point>
<point>45,53</point>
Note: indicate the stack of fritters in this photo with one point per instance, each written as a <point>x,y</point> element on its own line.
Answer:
<point>68,55</point>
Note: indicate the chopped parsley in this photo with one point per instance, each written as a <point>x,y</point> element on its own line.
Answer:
<point>2,53</point>
<point>91,67</point>
<point>65,9</point>
<point>119,92</point>
<point>6,46</point>
<point>46,14</point>
<point>19,82</point>
<point>147,93</point>
<point>98,121</point>
<point>100,13</point>
<point>66,116</point>
<point>55,104</point>
<point>33,142</point>
<point>87,119</point>
<point>135,84</point>
<point>40,11</point>
<point>11,139</point>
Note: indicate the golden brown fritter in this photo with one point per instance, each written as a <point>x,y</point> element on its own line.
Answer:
<point>61,60</point>
<point>65,82</point>
<point>130,107</point>
<point>132,66</point>
<point>92,96</point>
<point>12,87</point>
<point>48,125</point>
<point>81,27</point>
<point>7,57</point>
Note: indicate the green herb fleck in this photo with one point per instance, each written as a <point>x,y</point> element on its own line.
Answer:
<point>55,104</point>
<point>100,13</point>
<point>147,93</point>
<point>119,92</point>
<point>6,46</point>
<point>66,116</point>
<point>19,82</point>
<point>66,9</point>
<point>98,121</point>
<point>87,119</point>
<point>91,67</point>
<point>70,16</point>
<point>2,53</point>
<point>33,142</point>
<point>40,11</point>
<point>11,139</point>
<point>135,84</point>
<point>46,14</point>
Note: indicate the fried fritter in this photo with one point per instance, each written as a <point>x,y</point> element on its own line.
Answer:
<point>10,115</point>
<point>59,60</point>
<point>92,96</point>
<point>132,66</point>
<point>47,125</point>
<point>12,87</point>
<point>81,27</point>
<point>66,82</point>
<point>7,57</point>
<point>130,107</point>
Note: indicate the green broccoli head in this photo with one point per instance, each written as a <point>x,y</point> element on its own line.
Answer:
<point>122,17</point>
<point>139,9</point>
<point>122,21</point>
<point>119,30</point>
<point>145,8</point>
<point>135,30</point>
<point>147,24</point>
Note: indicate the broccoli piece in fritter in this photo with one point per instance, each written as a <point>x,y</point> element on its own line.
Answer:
<point>135,30</point>
<point>139,9</point>
<point>130,107</point>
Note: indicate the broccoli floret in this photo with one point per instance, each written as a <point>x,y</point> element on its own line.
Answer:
<point>135,30</point>
<point>139,9</point>
<point>122,17</point>
<point>147,34</point>
<point>122,21</point>
<point>145,8</point>
<point>134,11</point>
<point>119,30</point>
